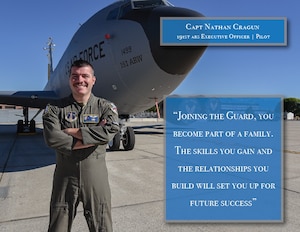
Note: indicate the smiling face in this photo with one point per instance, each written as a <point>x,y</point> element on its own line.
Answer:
<point>81,82</point>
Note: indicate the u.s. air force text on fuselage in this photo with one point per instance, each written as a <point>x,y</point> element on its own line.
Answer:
<point>97,52</point>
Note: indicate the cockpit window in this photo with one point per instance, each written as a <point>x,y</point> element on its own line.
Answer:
<point>135,5</point>
<point>120,11</point>
<point>113,14</point>
<point>124,10</point>
<point>138,4</point>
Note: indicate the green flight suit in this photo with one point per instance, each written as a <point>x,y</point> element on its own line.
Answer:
<point>80,175</point>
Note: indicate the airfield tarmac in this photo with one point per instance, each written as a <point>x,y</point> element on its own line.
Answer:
<point>136,179</point>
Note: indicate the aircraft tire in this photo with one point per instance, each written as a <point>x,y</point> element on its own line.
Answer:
<point>129,139</point>
<point>114,145</point>
<point>20,126</point>
<point>32,126</point>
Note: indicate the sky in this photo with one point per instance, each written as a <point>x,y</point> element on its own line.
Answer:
<point>27,25</point>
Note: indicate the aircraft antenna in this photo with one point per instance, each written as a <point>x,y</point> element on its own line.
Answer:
<point>50,46</point>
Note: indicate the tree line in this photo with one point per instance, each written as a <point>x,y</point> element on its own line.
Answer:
<point>292,105</point>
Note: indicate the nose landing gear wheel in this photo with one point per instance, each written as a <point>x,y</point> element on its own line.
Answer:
<point>114,145</point>
<point>128,139</point>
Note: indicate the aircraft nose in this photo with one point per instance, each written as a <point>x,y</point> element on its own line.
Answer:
<point>172,59</point>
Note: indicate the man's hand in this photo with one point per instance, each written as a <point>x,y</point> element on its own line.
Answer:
<point>79,145</point>
<point>103,122</point>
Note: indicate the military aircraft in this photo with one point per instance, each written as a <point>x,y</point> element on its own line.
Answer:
<point>122,42</point>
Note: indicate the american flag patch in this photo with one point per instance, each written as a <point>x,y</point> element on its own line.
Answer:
<point>113,108</point>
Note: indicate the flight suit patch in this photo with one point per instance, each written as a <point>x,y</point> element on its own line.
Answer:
<point>113,108</point>
<point>71,117</point>
<point>90,118</point>
<point>46,111</point>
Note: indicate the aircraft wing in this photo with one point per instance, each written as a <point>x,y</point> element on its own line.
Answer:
<point>34,99</point>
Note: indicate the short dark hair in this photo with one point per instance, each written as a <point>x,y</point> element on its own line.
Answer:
<point>81,63</point>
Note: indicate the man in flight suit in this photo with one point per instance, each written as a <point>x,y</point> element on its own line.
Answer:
<point>78,128</point>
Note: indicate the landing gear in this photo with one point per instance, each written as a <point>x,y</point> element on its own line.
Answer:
<point>26,126</point>
<point>126,135</point>
<point>114,145</point>
<point>20,126</point>
<point>128,140</point>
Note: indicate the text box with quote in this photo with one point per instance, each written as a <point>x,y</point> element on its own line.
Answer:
<point>223,159</point>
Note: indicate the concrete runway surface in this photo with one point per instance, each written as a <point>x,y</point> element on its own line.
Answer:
<point>136,179</point>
